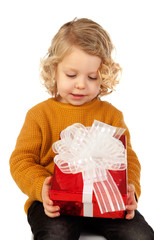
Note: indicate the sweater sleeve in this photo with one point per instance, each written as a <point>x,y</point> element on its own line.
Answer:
<point>25,169</point>
<point>133,164</point>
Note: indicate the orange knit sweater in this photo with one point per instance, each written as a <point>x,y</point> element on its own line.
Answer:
<point>32,160</point>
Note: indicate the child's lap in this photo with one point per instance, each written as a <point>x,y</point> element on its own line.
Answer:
<point>69,227</point>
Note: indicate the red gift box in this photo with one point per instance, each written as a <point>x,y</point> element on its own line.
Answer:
<point>67,193</point>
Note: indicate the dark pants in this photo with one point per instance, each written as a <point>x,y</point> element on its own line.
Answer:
<point>70,227</point>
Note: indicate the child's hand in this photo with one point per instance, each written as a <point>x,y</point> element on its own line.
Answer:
<point>131,202</point>
<point>49,209</point>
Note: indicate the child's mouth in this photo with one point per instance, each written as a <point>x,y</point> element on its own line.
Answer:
<point>77,96</point>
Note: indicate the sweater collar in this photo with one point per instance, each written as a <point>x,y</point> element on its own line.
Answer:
<point>72,107</point>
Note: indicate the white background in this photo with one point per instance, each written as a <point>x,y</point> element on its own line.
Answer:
<point>26,29</point>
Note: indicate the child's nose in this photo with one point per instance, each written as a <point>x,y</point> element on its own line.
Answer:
<point>80,83</point>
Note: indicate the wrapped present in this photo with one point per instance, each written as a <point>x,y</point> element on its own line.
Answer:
<point>90,176</point>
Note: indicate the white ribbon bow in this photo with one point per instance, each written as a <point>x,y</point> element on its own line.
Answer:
<point>93,151</point>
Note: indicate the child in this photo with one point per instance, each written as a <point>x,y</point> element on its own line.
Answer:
<point>77,71</point>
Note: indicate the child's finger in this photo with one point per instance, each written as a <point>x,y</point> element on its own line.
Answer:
<point>48,180</point>
<point>131,188</point>
<point>47,202</point>
<point>131,207</point>
<point>130,215</point>
<point>52,209</point>
<point>51,214</point>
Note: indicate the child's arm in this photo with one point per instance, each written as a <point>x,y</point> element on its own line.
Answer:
<point>133,164</point>
<point>25,160</point>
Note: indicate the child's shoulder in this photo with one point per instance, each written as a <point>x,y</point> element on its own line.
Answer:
<point>40,109</point>
<point>110,108</point>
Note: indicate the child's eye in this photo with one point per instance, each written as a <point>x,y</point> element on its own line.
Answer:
<point>92,78</point>
<point>71,75</point>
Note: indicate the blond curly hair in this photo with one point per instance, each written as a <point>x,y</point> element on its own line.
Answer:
<point>89,37</point>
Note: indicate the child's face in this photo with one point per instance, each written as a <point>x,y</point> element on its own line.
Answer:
<point>77,78</point>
